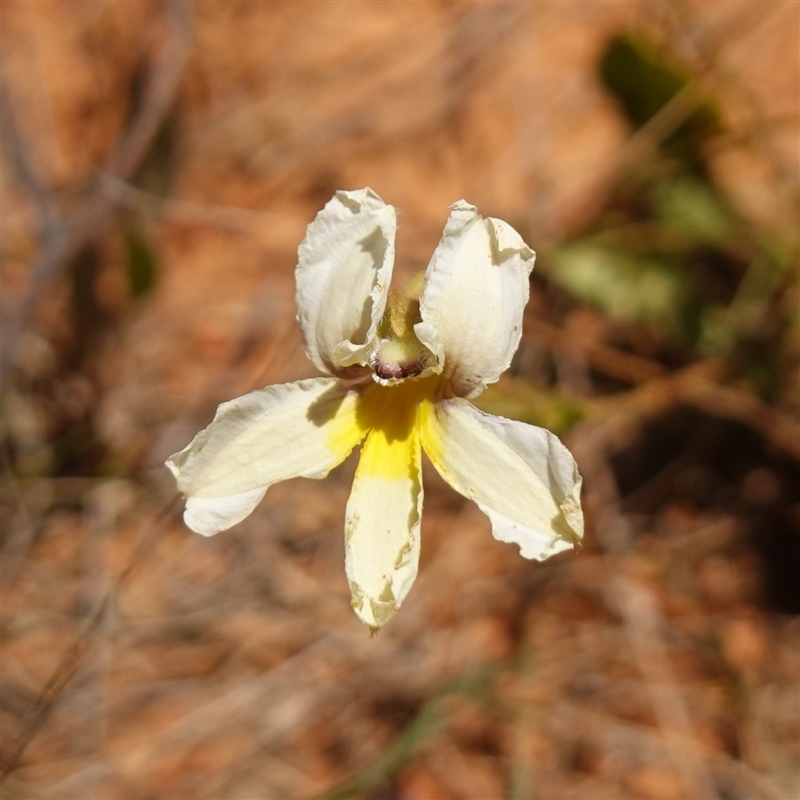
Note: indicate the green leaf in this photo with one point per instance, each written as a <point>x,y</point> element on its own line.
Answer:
<point>142,266</point>
<point>627,288</point>
<point>517,399</point>
<point>644,79</point>
<point>695,209</point>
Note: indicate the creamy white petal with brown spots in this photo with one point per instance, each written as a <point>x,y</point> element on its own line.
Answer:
<point>293,430</point>
<point>343,276</point>
<point>520,476</point>
<point>475,293</point>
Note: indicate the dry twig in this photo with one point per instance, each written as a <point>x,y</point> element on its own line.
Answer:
<point>699,385</point>
<point>74,657</point>
<point>96,214</point>
<point>641,615</point>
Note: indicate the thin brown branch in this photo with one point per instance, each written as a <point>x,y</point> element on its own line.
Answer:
<point>75,654</point>
<point>641,616</point>
<point>15,145</point>
<point>95,216</point>
<point>699,385</point>
<point>639,145</point>
<point>608,360</point>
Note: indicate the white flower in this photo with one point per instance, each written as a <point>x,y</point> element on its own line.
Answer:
<point>398,379</point>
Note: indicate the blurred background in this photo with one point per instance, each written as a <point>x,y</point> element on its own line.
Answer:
<point>160,161</point>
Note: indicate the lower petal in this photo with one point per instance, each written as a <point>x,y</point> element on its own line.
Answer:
<point>520,476</point>
<point>301,429</point>
<point>383,524</point>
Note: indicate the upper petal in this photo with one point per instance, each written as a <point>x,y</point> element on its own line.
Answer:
<point>343,275</point>
<point>476,288</point>
<point>521,476</point>
<point>301,429</point>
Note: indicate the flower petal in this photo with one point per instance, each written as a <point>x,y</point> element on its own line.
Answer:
<point>343,275</point>
<point>521,476</point>
<point>207,515</point>
<point>476,288</point>
<point>382,525</point>
<point>301,429</point>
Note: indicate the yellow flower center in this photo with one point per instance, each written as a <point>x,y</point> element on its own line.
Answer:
<point>389,415</point>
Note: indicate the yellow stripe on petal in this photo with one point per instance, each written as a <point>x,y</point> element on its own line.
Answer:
<point>520,476</point>
<point>382,457</point>
<point>382,526</point>
<point>343,425</point>
<point>431,433</point>
<point>385,506</point>
<point>390,413</point>
<point>301,429</point>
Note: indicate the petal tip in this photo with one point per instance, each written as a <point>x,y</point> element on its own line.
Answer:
<point>210,515</point>
<point>463,205</point>
<point>173,467</point>
<point>509,243</point>
<point>357,195</point>
<point>375,614</point>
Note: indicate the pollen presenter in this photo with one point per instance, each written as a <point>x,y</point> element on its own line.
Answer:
<point>399,374</point>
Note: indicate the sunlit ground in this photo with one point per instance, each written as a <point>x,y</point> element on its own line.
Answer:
<point>160,164</point>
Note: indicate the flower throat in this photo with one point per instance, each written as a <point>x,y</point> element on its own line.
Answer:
<point>397,353</point>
